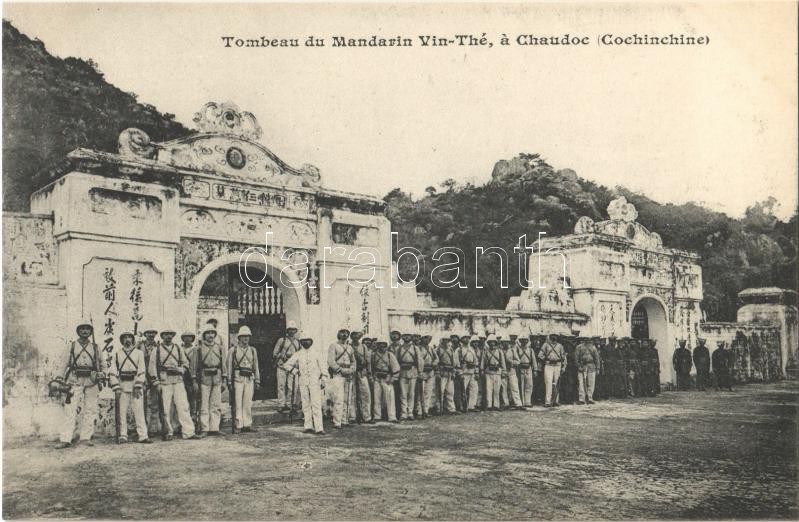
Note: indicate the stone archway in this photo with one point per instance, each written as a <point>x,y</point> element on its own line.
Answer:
<point>650,319</point>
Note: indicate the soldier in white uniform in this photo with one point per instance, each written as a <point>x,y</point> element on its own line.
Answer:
<point>470,363</point>
<point>85,374</point>
<point>411,366</point>
<point>242,364</point>
<point>493,364</point>
<point>362,377</point>
<point>510,381</point>
<point>127,375</point>
<point>151,406</point>
<point>190,377</point>
<point>166,367</point>
<point>429,367</point>
<point>448,366</point>
<point>385,370</point>
<point>211,376</point>
<point>528,365</point>
<point>284,348</point>
<point>312,378</point>
<point>553,357</point>
<point>342,366</point>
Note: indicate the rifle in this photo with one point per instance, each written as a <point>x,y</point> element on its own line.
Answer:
<point>440,395</point>
<point>101,376</point>
<point>293,390</point>
<point>358,417</point>
<point>347,381</point>
<point>159,394</point>
<point>419,396</point>
<point>117,417</point>
<point>231,390</point>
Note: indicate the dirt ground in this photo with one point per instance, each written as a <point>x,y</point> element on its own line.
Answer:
<point>682,455</point>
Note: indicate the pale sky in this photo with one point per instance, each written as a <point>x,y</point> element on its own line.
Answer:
<point>714,124</point>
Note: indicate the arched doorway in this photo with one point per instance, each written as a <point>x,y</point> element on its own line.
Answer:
<point>648,320</point>
<point>219,292</point>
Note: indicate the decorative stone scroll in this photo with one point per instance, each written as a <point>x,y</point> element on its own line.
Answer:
<point>621,224</point>
<point>226,118</point>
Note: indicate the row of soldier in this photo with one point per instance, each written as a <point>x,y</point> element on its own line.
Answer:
<point>169,388</point>
<point>176,388</point>
<point>407,378</point>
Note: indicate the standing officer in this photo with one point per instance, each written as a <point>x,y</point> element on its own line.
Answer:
<point>385,370</point>
<point>311,383</point>
<point>553,358</point>
<point>588,365</point>
<point>393,347</point>
<point>602,372</point>
<point>341,364</point>
<point>510,380</point>
<point>85,374</point>
<point>165,369</point>
<point>469,373</point>
<point>654,362</point>
<point>127,377</point>
<point>681,360</point>
<point>411,366</point>
<point>479,349</point>
<point>632,366</point>
<point>189,377</point>
<point>722,366</point>
<point>362,377</point>
<point>152,408</point>
<point>211,376</point>
<point>493,363</point>
<point>538,379</point>
<point>242,367</point>
<point>702,363</point>
<point>285,347</point>
<point>527,366</point>
<point>429,367</point>
<point>448,366</point>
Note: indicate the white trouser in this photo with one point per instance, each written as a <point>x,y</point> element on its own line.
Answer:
<point>128,402</point>
<point>510,386</point>
<point>526,386</point>
<point>407,396</point>
<point>85,398</point>
<point>284,385</point>
<point>243,387</point>
<point>211,408</point>
<point>470,386</point>
<point>384,394</point>
<point>312,407</point>
<point>551,377</point>
<point>424,402</point>
<point>447,391</point>
<point>585,385</point>
<point>493,382</point>
<point>340,397</point>
<point>175,394</point>
<point>365,397</point>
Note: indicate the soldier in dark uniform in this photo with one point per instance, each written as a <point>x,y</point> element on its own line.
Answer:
<point>603,376</point>
<point>641,347</point>
<point>682,365</point>
<point>702,364</point>
<point>568,384</point>
<point>722,365</point>
<point>618,383</point>
<point>539,390</point>
<point>654,361</point>
<point>630,365</point>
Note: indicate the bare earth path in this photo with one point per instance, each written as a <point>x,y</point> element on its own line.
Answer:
<point>681,455</point>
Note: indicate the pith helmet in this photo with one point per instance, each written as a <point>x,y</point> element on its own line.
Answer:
<point>126,334</point>
<point>168,330</point>
<point>209,327</point>
<point>84,324</point>
<point>187,334</point>
<point>244,330</point>
<point>148,330</point>
<point>291,325</point>
<point>492,339</point>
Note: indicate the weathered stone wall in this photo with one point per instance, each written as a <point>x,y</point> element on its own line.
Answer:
<point>756,349</point>
<point>442,322</point>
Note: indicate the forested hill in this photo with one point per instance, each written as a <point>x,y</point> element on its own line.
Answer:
<point>527,196</point>
<point>52,106</point>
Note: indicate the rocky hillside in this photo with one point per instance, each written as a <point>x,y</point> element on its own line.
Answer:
<point>52,106</point>
<point>526,196</point>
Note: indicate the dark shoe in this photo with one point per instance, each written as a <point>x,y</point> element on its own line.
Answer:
<point>372,421</point>
<point>580,402</point>
<point>193,437</point>
<point>337,427</point>
<point>321,433</point>
<point>122,440</point>
<point>63,445</point>
<point>394,422</point>
<point>84,443</point>
<point>146,441</point>
<point>169,437</point>
<point>236,431</point>
<point>202,435</point>
<point>215,434</point>
<point>250,429</point>
<point>590,401</point>
<point>308,430</point>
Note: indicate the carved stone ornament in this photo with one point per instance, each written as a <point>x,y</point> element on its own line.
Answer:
<point>584,225</point>
<point>226,118</point>
<point>135,143</point>
<point>619,209</point>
